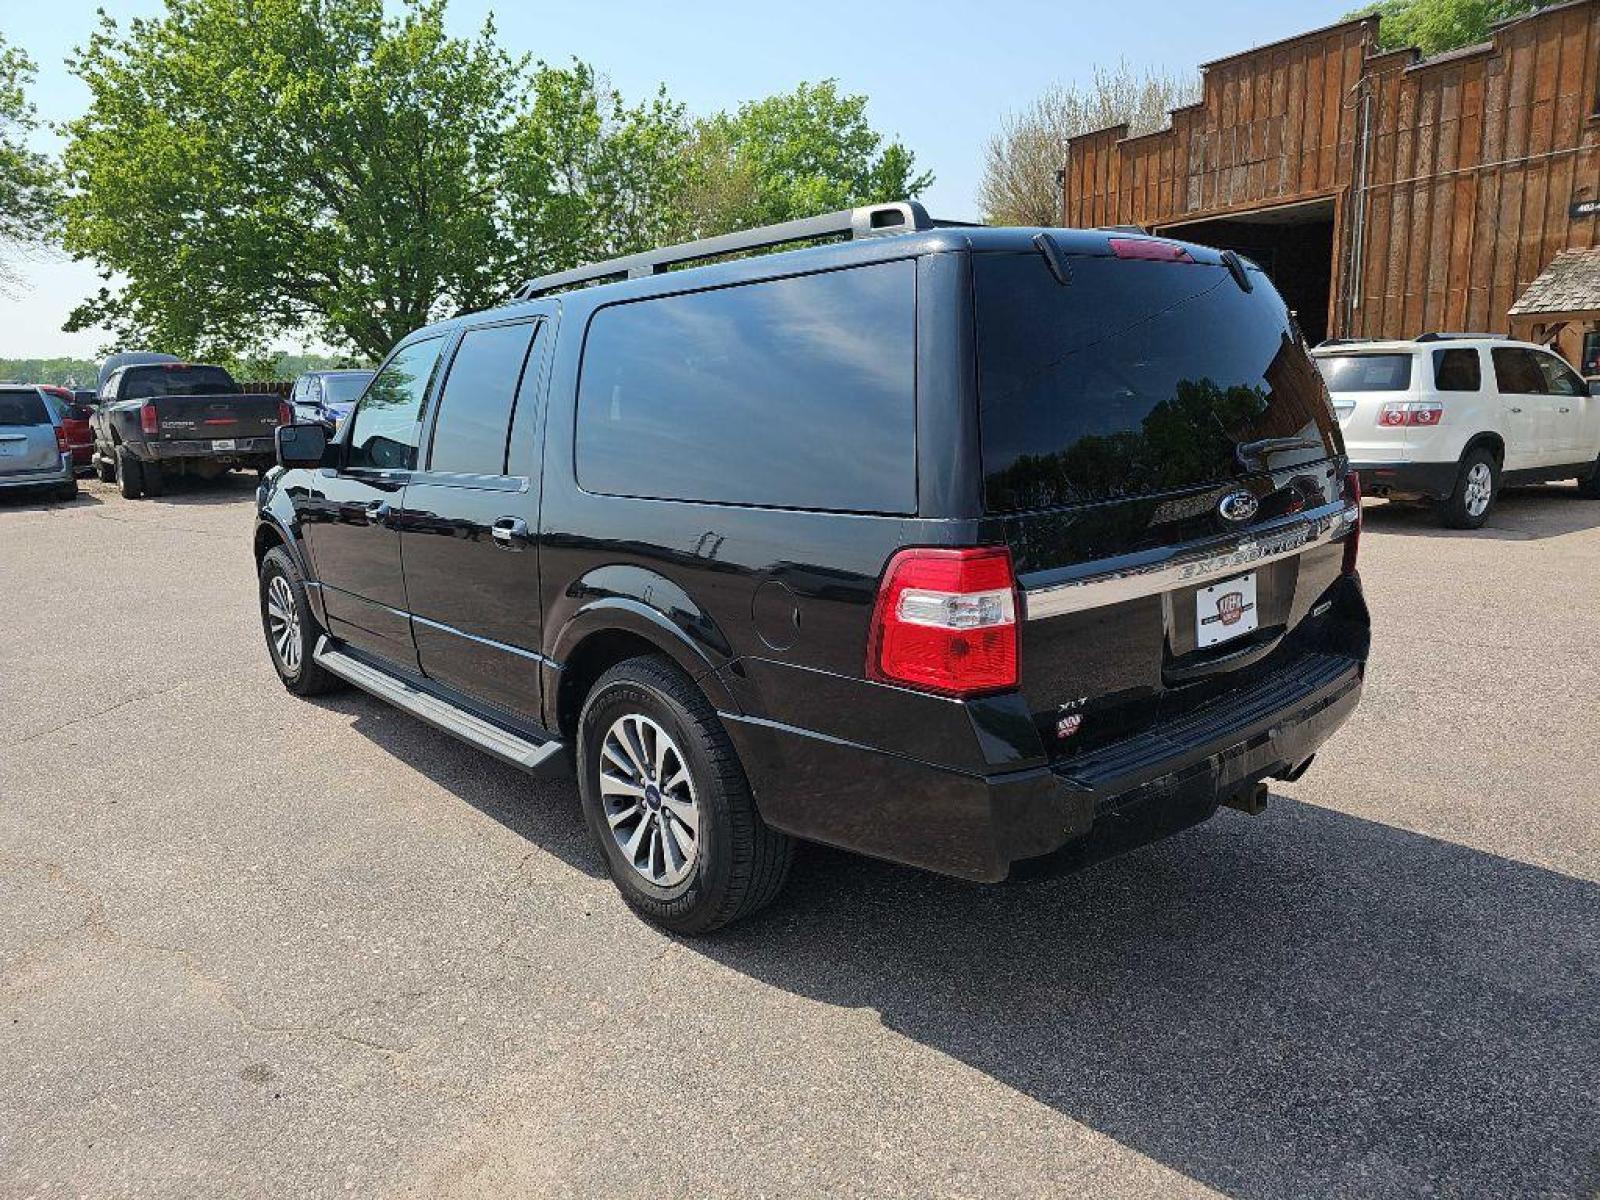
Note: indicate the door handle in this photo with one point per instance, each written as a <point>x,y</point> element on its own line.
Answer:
<point>1516,410</point>
<point>510,532</point>
<point>1565,409</point>
<point>378,512</point>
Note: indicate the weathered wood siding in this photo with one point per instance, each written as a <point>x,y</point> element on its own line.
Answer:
<point>1477,158</point>
<point>1273,126</point>
<point>1472,162</point>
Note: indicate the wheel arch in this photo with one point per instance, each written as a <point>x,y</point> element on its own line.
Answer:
<point>609,630</point>
<point>1493,442</point>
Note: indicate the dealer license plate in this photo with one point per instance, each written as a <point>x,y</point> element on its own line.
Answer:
<point>223,444</point>
<point>1226,610</point>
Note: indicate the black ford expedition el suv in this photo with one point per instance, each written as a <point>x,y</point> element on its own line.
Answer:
<point>984,550</point>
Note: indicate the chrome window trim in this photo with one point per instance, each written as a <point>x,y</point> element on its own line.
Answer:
<point>1215,560</point>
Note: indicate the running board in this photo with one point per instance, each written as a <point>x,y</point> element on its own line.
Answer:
<point>537,758</point>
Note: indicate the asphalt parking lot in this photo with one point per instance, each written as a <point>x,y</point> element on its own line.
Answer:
<point>257,946</point>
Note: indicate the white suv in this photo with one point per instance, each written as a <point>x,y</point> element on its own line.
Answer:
<point>1454,417</point>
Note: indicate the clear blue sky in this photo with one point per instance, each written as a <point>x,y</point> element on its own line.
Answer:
<point>940,74</point>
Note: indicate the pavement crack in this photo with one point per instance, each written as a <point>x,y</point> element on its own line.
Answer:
<point>120,704</point>
<point>162,528</point>
<point>99,929</point>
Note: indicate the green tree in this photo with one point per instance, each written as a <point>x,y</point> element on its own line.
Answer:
<point>77,372</point>
<point>27,178</point>
<point>594,177</point>
<point>794,154</point>
<point>251,169</point>
<point>256,168</point>
<point>1438,25</point>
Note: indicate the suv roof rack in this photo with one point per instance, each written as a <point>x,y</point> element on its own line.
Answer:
<point>1450,337</point>
<point>1343,341</point>
<point>871,220</point>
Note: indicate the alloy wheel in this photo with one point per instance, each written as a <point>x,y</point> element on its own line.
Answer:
<point>649,800</point>
<point>1480,487</point>
<point>283,623</point>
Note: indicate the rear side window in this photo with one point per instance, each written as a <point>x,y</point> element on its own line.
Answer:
<point>22,408</point>
<point>1560,379</point>
<point>383,435</point>
<point>1136,378</point>
<point>1366,372</point>
<point>793,393</point>
<point>1516,372</point>
<point>479,396</point>
<point>1457,371</point>
<point>142,383</point>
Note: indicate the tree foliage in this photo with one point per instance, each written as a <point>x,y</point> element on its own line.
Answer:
<point>793,154</point>
<point>257,166</point>
<point>324,169</point>
<point>27,178</point>
<point>82,372</point>
<point>1434,26</point>
<point>1020,185</point>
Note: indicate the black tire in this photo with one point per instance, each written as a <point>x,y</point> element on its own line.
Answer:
<point>155,479</point>
<point>68,491</point>
<point>739,864</point>
<point>104,469</point>
<point>1460,509</point>
<point>298,671</point>
<point>130,474</point>
<point>1589,488</point>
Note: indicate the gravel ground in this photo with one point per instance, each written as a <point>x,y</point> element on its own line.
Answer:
<point>256,946</point>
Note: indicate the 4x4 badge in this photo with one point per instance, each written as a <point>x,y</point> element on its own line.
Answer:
<point>1238,506</point>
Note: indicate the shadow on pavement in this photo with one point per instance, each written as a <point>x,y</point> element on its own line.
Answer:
<point>1301,1004</point>
<point>191,490</point>
<point>545,812</point>
<point>1528,514</point>
<point>1304,1004</point>
<point>27,500</point>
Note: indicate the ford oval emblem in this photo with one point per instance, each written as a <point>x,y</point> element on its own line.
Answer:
<point>1238,506</point>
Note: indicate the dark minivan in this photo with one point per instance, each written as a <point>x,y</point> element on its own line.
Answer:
<point>989,551</point>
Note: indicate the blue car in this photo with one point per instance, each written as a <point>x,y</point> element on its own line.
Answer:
<point>326,397</point>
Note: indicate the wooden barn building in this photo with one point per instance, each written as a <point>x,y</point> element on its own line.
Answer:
<point>1387,194</point>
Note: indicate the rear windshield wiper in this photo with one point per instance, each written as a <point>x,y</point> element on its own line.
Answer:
<point>1246,451</point>
<point>1053,258</point>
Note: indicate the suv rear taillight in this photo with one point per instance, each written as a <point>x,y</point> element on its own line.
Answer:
<point>1410,412</point>
<point>61,440</point>
<point>285,413</point>
<point>946,621</point>
<point>1352,540</point>
<point>148,421</point>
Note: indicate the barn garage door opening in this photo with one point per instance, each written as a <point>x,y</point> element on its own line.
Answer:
<point>1293,244</point>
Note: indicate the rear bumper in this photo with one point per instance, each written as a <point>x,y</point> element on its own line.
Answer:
<point>987,828</point>
<point>50,476</point>
<point>1435,479</point>
<point>245,450</point>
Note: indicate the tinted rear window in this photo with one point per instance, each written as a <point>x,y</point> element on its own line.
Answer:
<point>1366,372</point>
<point>795,393</point>
<point>1135,378</point>
<point>1457,370</point>
<point>22,408</point>
<point>141,383</point>
<point>344,389</point>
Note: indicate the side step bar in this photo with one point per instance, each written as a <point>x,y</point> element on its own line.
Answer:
<point>545,758</point>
